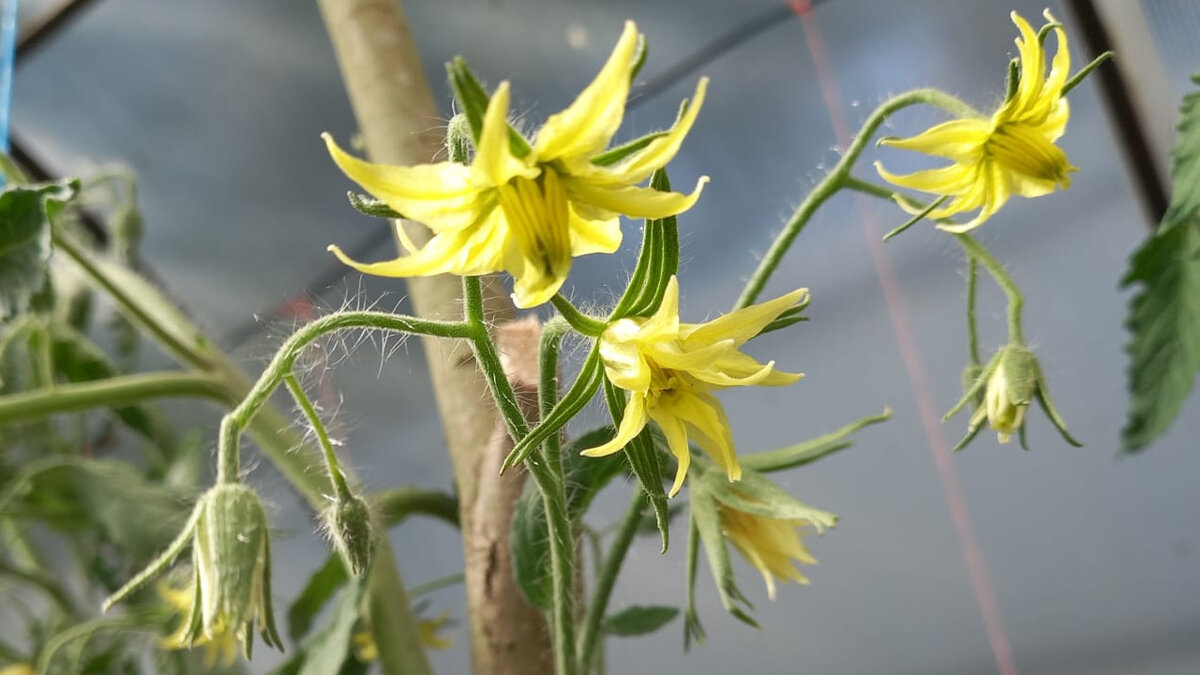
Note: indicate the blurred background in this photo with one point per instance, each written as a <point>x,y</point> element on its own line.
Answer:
<point>1086,561</point>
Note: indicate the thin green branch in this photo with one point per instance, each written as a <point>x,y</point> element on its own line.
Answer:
<point>972,323</point>
<point>581,322</point>
<point>606,578</point>
<point>1015,302</point>
<point>114,392</point>
<point>476,331</point>
<point>336,478</point>
<point>837,178</point>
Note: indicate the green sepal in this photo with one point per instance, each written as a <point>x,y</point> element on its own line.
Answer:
<point>639,59</point>
<point>645,459</point>
<point>159,564</point>
<point>614,155</point>
<point>370,206</point>
<point>1042,394</point>
<point>657,261</point>
<point>692,628</point>
<point>639,620</point>
<point>581,391</point>
<point>811,450</point>
<point>977,388</point>
<point>1085,71</point>
<point>707,522</point>
<point>759,496</point>
<point>1012,80</point>
<point>473,99</point>
<point>916,218</point>
<point>972,432</point>
<point>791,316</point>
<point>458,139</point>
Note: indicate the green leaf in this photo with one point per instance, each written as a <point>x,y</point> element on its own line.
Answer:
<point>1164,315</point>
<point>329,651</point>
<point>371,207</point>
<point>812,450</point>
<point>25,241</point>
<point>321,587</point>
<point>639,620</point>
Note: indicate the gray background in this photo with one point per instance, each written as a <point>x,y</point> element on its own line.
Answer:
<point>218,104</point>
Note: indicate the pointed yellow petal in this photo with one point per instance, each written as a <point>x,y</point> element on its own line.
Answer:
<point>444,196</point>
<point>664,323</point>
<point>632,423</point>
<point>677,441</point>
<point>705,415</point>
<point>623,361</point>
<point>1033,66</point>
<point>494,157</point>
<point>947,180</point>
<point>638,166</point>
<point>963,138</point>
<point>740,325</point>
<point>587,125</point>
<point>473,251</point>
<point>639,202</point>
<point>1060,67</point>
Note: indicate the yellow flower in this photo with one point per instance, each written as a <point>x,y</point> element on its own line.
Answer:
<point>366,650</point>
<point>1010,389</point>
<point>770,544</point>
<point>17,669</point>
<point>1013,153</point>
<point>669,368</point>
<point>221,645</point>
<point>530,215</point>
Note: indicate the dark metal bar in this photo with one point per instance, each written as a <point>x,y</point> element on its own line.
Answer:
<point>1149,184</point>
<point>45,27</point>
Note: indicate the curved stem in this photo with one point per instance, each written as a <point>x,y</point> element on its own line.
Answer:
<point>838,178</point>
<point>606,579</point>
<point>972,324</point>
<point>489,360</point>
<point>581,322</point>
<point>1015,302</point>
<point>331,460</point>
<point>114,392</point>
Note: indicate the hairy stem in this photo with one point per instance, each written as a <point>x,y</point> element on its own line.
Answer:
<point>336,478</point>
<point>606,578</point>
<point>1015,302</point>
<point>838,178</point>
<point>114,392</point>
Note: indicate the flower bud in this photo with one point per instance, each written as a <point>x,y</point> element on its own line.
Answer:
<point>349,524</point>
<point>231,553</point>
<point>1010,389</point>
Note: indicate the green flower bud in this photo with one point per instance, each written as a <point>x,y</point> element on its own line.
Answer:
<point>349,525</point>
<point>1010,390</point>
<point>231,555</point>
<point>970,375</point>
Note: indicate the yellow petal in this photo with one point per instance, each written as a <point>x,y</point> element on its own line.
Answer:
<point>947,180</point>
<point>954,139</point>
<point>632,423</point>
<point>640,202</point>
<point>664,323</point>
<point>494,157</point>
<point>474,251</point>
<point>1033,66</point>
<point>587,125</point>
<point>623,361</point>
<point>705,415</point>
<point>740,325</point>
<point>677,441</point>
<point>443,196</point>
<point>594,235</point>
<point>1060,67</point>
<point>638,166</point>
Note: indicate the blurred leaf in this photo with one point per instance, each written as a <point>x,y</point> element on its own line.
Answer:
<point>329,651</point>
<point>25,241</point>
<point>706,520</point>
<point>811,450</point>
<point>1164,315</point>
<point>321,586</point>
<point>77,493</point>
<point>639,620</point>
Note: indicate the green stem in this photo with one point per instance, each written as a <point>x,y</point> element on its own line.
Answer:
<point>547,470</point>
<point>397,504</point>
<point>972,324</point>
<point>1015,302</point>
<point>606,578</point>
<point>581,322</point>
<point>838,178</point>
<point>340,489</point>
<point>114,392</point>
<point>489,360</point>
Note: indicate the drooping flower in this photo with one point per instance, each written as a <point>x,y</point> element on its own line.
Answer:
<point>1011,153</point>
<point>670,369</point>
<point>769,544</point>
<point>530,215</point>
<point>428,630</point>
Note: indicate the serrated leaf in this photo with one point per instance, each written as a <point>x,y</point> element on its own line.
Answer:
<point>1164,315</point>
<point>25,241</point>
<point>639,620</point>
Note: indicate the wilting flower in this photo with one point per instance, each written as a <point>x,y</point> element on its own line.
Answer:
<point>231,579</point>
<point>530,215</point>
<point>1012,153</point>
<point>669,369</point>
<point>221,646</point>
<point>770,544</point>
